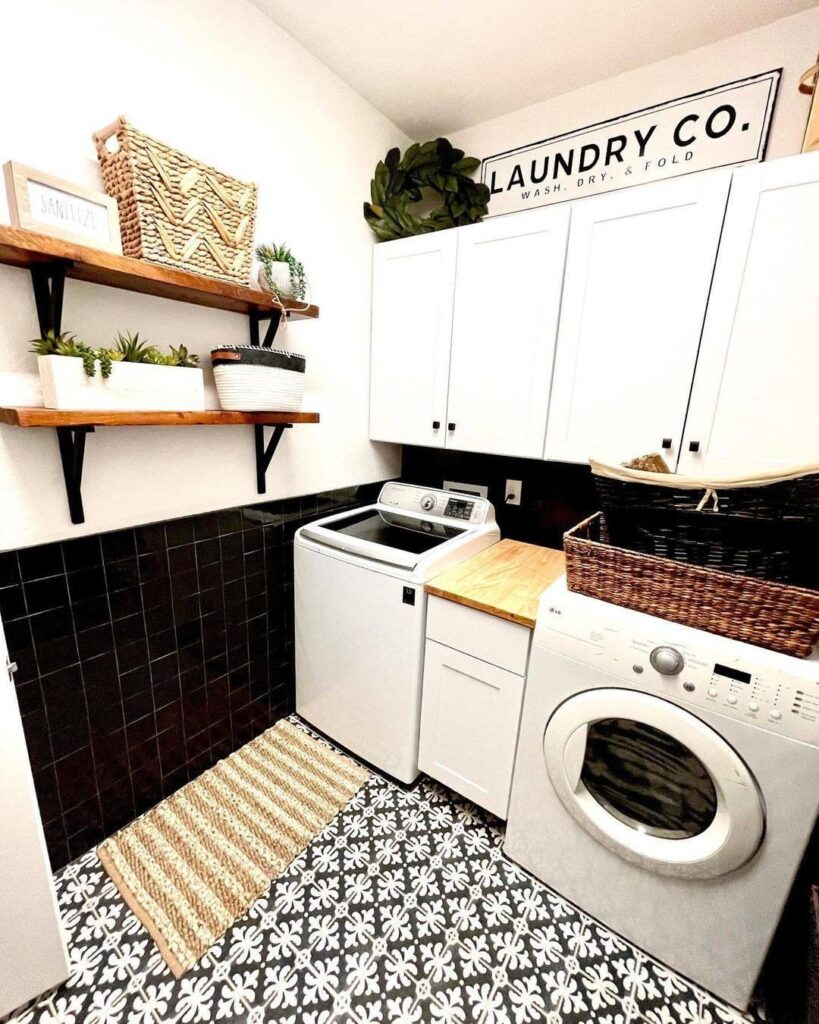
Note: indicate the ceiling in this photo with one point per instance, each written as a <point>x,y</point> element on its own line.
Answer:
<point>434,66</point>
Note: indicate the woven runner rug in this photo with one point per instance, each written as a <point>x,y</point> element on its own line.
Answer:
<point>191,866</point>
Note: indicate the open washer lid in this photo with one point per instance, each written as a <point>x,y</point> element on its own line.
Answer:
<point>382,535</point>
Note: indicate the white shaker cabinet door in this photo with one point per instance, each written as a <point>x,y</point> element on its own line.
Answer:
<point>470,712</point>
<point>413,289</point>
<point>507,303</point>
<point>754,404</point>
<point>638,274</point>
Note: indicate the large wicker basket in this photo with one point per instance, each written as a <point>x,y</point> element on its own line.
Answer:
<point>768,528</point>
<point>774,615</point>
<point>175,210</point>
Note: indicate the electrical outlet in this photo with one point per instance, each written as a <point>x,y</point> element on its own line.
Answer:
<point>513,492</point>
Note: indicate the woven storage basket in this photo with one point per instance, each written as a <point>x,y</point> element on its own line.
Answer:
<point>768,528</point>
<point>774,615</point>
<point>250,378</point>
<point>175,210</point>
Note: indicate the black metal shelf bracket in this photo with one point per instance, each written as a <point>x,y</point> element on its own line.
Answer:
<point>256,317</point>
<point>72,455</point>
<point>48,280</point>
<point>264,453</point>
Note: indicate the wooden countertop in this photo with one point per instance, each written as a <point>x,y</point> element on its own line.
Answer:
<point>504,580</point>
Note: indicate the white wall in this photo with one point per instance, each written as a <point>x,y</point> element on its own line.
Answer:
<point>791,43</point>
<point>217,79</point>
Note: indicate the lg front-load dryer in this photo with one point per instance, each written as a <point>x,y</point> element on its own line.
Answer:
<point>361,615</point>
<point>667,782</point>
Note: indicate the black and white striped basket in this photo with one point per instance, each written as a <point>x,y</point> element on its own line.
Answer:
<point>253,379</point>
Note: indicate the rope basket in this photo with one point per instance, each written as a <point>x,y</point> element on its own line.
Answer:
<point>774,615</point>
<point>175,210</point>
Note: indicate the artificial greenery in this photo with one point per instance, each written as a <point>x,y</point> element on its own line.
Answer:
<point>425,171</point>
<point>53,344</point>
<point>127,348</point>
<point>268,254</point>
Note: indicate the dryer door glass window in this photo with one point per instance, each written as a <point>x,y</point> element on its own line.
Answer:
<point>647,779</point>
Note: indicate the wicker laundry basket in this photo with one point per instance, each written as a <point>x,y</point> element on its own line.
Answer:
<point>175,210</point>
<point>774,615</point>
<point>766,526</point>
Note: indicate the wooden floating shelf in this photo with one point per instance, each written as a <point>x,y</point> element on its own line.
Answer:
<point>74,427</point>
<point>36,417</point>
<point>29,249</point>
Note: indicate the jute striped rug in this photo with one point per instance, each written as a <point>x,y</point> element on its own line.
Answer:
<point>196,862</point>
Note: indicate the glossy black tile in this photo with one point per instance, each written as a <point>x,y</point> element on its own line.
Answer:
<point>37,563</point>
<point>145,655</point>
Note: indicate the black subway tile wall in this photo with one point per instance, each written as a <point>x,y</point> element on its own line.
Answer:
<point>146,655</point>
<point>555,497</point>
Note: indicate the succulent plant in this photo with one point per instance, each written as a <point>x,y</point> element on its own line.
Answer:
<point>267,254</point>
<point>65,344</point>
<point>129,349</point>
<point>180,356</point>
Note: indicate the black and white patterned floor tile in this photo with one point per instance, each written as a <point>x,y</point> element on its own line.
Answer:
<point>402,911</point>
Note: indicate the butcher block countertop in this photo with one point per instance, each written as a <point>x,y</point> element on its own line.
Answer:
<point>504,580</point>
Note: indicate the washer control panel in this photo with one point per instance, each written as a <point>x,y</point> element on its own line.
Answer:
<point>448,505</point>
<point>773,692</point>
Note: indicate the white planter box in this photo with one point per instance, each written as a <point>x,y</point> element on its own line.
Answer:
<point>132,387</point>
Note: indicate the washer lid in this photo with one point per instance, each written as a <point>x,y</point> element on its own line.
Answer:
<point>383,535</point>
<point>653,783</point>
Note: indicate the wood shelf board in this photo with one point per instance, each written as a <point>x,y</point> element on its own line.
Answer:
<point>505,580</point>
<point>19,248</point>
<point>35,417</point>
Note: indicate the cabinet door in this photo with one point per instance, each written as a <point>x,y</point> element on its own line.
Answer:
<point>754,403</point>
<point>413,289</point>
<point>637,278</point>
<point>507,303</point>
<point>470,713</point>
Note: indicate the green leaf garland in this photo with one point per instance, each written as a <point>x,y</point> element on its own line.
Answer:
<point>400,182</point>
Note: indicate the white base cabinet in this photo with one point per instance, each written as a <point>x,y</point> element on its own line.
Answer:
<point>470,709</point>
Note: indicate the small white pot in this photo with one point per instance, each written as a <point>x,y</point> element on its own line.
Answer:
<point>280,283</point>
<point>132,387</point>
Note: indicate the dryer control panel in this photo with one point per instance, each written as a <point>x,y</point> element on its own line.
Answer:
<point>772,691</point>
<point>449,505</point>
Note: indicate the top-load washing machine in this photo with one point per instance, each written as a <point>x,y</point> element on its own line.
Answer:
<point>667,782</point>
<point>361,614</point>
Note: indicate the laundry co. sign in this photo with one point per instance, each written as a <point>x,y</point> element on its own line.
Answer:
<point>714,128</point>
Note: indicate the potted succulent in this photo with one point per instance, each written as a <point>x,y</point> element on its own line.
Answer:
<point>280,272</point>
<point>131,375</point>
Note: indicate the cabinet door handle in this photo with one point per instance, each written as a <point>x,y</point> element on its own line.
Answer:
<point>436,424</point>
<point>450,426</point>
<point>693,446</point>
<point>666,443</point>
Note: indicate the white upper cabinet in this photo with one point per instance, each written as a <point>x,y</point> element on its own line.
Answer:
<point>413,290</point>
<point>638,274</point>
<point>754,403</point>
<point>507,304</point>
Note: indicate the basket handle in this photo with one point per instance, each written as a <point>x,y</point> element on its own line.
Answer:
<point>807,83</point>
<point>104,134</point>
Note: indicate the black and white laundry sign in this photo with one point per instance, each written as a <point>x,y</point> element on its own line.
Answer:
<point>715,128</point>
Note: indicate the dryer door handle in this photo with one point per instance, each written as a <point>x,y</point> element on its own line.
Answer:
<point>574,755</point>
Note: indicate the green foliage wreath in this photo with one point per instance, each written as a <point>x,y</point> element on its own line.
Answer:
<point>425,168</point>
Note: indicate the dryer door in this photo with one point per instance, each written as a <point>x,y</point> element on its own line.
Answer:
<point>653,783</point>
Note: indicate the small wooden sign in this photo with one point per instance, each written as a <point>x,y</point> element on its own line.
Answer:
<point>40,202</point>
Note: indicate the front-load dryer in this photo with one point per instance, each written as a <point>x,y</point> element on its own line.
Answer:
<point>667,782</point>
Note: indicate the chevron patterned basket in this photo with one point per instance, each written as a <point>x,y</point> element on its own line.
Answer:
<point>175,210</point>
